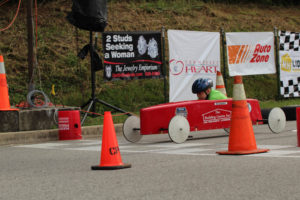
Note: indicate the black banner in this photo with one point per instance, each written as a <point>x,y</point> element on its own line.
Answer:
<point>132,55</point>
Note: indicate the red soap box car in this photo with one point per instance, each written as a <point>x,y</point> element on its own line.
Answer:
<point>178,119</point>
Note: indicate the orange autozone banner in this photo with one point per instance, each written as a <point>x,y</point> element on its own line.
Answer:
<point>250,53</point>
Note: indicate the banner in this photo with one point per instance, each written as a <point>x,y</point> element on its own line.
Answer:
<point>192,55</point>
<point>289,59</point>
<point>250,53</point>
<point>132,55</point>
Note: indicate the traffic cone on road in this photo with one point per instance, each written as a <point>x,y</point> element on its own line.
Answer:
<point>241,136</point>
<point>4,97</point>
<point>220,83</point>
<point>110,151</point>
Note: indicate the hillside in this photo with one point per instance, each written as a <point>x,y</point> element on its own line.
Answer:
<point>59,42</point>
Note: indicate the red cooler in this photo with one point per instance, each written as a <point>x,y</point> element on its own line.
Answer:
<point>69,125</point>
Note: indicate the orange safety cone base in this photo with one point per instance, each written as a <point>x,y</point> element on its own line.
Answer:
<point>243,152</point>
<point>98,167</point>
<point>9,109</point>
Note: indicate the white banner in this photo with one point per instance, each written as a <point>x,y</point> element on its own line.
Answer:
<point>192,55</point>
<point>250,53</point>
<point>289,59</point>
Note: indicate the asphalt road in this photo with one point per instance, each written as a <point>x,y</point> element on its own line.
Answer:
<point>160,169</point>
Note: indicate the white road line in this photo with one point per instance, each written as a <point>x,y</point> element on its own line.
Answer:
<point>182,145</point>
<point>189,151</point>
<point>273,147</point>
<point>276,153</point>
<point>198,149</point>
<point>91,148</point>
<point>43,145</point>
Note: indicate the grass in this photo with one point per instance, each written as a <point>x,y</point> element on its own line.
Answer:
<point>98,120</point>
<point>279,103</point>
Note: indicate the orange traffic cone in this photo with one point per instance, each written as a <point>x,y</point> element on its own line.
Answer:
<point>220,83</point>
<point>110,152</point>
<point>4,98</point>
<point>241,136</point>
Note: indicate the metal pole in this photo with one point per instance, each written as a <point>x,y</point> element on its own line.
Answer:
<point>96,38</point>
<point>92,69</point>
<point>164,63</point>
<point>30,43</point>
<point>223,55</point>
<point>277,62</point>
